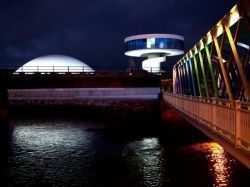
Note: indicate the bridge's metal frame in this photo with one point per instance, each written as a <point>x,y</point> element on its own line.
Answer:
<point>218,65</point>
<point>211,83</point>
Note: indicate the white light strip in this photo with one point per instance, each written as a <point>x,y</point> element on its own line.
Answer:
<point>243,45</point>
<point>145,36</point>
<point>153,65</point>
<point>146,52</point>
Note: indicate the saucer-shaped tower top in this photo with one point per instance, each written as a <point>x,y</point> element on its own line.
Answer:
<point>155,47</point>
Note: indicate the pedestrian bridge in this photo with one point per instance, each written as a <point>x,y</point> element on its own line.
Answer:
<point>225,121</point>
<point>211,83</point>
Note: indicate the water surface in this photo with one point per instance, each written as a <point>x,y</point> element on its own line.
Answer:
<point>99,151</point>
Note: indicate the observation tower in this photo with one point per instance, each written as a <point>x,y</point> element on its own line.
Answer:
<point>155,47</point>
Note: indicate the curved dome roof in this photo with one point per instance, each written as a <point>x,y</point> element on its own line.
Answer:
<point>55,63</point>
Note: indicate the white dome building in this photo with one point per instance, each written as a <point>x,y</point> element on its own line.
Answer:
<point>55,63</point>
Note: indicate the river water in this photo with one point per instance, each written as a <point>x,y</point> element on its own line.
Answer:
<point>96,150</point>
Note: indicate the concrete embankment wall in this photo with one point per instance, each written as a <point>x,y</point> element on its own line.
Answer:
<point>3,104</point>
<point>116,99</point>
<point>64,94</point>
<point>115,80</point>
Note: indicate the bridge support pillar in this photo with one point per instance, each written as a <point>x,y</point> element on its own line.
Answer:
<point>238,128</point>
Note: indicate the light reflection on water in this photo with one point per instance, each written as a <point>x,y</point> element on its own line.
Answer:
<point>220,163</point>
<point>49,152</point>
<point>38,138</point>
<point>145,157</point>
<point>65,153</point>
<point>57,150</point>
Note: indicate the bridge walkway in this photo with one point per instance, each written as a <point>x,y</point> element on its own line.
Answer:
<point>225,121</point>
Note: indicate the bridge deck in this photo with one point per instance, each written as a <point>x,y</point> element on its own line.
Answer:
<point>226,122</point>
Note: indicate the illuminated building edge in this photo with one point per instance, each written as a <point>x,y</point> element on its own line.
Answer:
<point>155,47</point>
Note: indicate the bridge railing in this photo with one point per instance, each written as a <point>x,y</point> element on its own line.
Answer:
<point>228,119</point>
<point>54,69</point>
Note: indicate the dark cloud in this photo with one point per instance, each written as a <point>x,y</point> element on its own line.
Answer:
<point>93,30</point>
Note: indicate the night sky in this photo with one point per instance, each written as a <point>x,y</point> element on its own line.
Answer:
<point>94,30</point>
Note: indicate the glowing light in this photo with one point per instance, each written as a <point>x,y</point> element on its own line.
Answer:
<point>144,52</point>
<point>150,142</point>
<point>209,38</point>
<point>243,45</point>
<point>55,63</point>
<point>153,64</point>
<point>161,45</point>
<point>220,164</point>
<point>150,42</point>
<point>147,154</point>
<point>223,60</point>
<point>36,137</point>
<point>201,45</point>
<point>155,53</point>
<point>144,36</point>
<point>195,50</point>
<point>190,54</point>
<point>234,17</point>
<point>219,29</point>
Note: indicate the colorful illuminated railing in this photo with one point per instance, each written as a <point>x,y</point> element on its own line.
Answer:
<point>219,64</point>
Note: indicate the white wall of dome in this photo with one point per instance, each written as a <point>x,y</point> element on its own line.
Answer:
<point>55,63</point>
